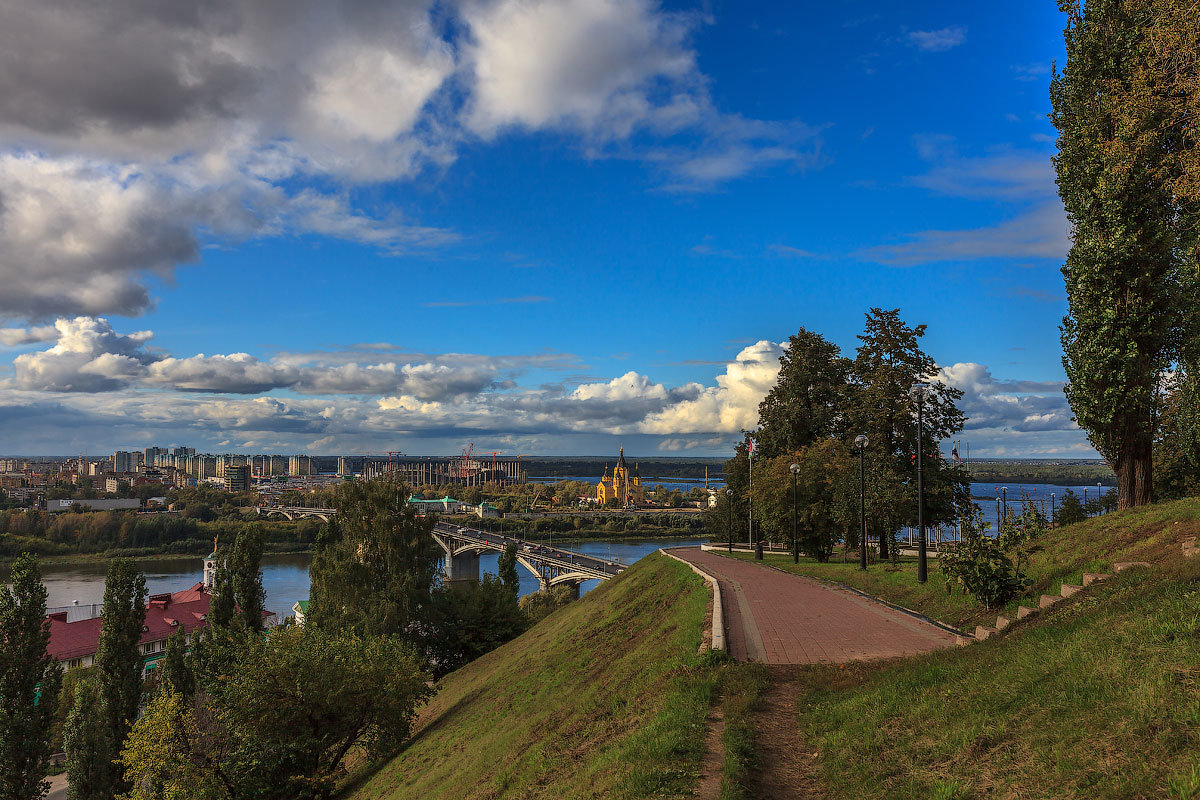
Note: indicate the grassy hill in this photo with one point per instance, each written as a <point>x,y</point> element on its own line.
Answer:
<point>605,698</point>
<point>1096,697</point>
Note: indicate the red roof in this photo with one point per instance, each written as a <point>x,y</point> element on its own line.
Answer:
<point>165,613</point>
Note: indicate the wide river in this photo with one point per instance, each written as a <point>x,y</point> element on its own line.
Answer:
<point>285,577</point>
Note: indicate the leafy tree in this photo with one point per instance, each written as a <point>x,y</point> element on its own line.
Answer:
<point>375,565</point>
<point>29,683</point>
<point>1177,442</point>
<point>823,510</point>
<point>888,363</point>
<point>809,399</point>
<point>470,619</point>
<point>1069,510</point>
<point>246,575</point>
<point>506,565</point>
<point>280,724</point>
<point>88,743</point>
<point>536,606</point>
<point>1130,298</point>
<point>174,670</point>
<point>222,608</point>
<point>119,660</point>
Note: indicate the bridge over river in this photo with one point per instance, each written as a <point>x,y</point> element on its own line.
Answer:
<point>552,566</point>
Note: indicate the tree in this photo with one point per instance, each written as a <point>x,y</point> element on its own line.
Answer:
<point>119,660</point>
<point>1069,510</point>
<point>29,683</point>
<point>808,401</point>
<point>222,608</point>
<point>536,606</point>
<point>246,575</point>
<point>471,619</point>
<point>506,565</point>
<point>1177,440</point>
<point>375,564</point>
<point>88,744</point>
<point>279,725</point>
<point>824,511</point>
<point>174,671</point>
<point>1129,296</point>
<point>888,363</point>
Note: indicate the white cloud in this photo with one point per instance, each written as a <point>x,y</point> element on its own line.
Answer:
<point>15,337</point>
<point>1022,406</point>
<point>1040,233</point>
<point>89,356</point>
<point>938,40</point>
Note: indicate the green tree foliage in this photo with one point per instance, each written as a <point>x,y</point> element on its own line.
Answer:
<point>809,400</point>
<point>222,608</point>
<point>119,660</point>
<point>280,724</point>
<point>470,619</point>
<point>825,512</point>
<point>245,567</point>
<point>536,606</point>
<point>1130,291</point>
<point>88,744</point>
<point>29,683</point>
<point>174,670</point>
<point>1177,440</point>
<point>506,566</point>
<point>1069,510</point>
<point>981,565</point>
<point>376,563</point>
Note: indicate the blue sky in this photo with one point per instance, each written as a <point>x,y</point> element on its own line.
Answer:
<point>546,226</point>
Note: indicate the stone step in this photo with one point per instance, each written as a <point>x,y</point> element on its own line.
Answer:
<point>1002,623</point>
<point>1025,611</point>
<point>1121,566</point>
<point>1048,600</point>
<point>1189,547</point>
<point>963,641</point>
<point>983,632</point>
<point>1069,589</point>
<point>1092,577</point>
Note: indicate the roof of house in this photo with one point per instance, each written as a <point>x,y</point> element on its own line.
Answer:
<point>165,613</point>
<point>303,606</point>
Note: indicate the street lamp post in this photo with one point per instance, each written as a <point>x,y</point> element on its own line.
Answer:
<point>1099,497</point>
<point>729,504</point>
<point>1004,492</point>
<point>1052,508</point>
<point>860,442</point>
<point>795,468</point>
<point>919,390</point>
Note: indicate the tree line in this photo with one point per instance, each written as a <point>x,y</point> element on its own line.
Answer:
<point>821,402</point>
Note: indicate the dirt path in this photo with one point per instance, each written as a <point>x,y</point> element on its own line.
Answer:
<point>776,618</point>
<point>713,763</point>
<point>785,765</point>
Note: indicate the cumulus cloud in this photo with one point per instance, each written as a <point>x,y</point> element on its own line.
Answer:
<point>15,337</point>
<point>1022,406</point>
<point>88,356</point>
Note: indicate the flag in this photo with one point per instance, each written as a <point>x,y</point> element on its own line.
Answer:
<point>954,454</point>
<point>750,448</point>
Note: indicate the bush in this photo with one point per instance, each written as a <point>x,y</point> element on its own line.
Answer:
<point>981,566</point>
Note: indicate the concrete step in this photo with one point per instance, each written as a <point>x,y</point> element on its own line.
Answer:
<point>1092,577</point>
<point>1069,589</point>
<point>1048,600</point>
<point>1002,623</point>
<point>963,641</point>
<point>1025,611</point>
<point>983,632</point>
<point>1121,566</point>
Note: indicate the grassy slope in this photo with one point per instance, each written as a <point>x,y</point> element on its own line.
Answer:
<point>1098,697</point>
<point>1146,534</point>
<point>605,698</point>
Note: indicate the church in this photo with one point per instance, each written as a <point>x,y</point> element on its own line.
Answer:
<point>625,487</point>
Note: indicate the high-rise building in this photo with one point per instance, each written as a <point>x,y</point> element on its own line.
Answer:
<point>205,467</point>
<point>346,465</point>
<point>152,453</point>
<point>299,465</point>
<point>237,477</point>
<point>124,461</point>
<point>183,451</point>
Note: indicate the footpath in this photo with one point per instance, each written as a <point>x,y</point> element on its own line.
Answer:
<point>776,618</point>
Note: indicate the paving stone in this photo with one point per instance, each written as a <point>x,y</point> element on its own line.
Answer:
<point>1092,577</point>
<point>778,618</point>
<point>1069,589</point>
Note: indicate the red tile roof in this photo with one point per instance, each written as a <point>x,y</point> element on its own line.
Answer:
<point>164,614</point>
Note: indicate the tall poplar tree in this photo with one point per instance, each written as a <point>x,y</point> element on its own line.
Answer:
<point>29,683</point>
<point>246,575</point>
<point>1128,298</point>
<point>119,659</point>
<point>87,740</point>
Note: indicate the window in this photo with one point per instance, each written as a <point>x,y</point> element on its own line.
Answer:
<point>75,663</point>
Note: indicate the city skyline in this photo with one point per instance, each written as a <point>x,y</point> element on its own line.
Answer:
<point>548,228</point>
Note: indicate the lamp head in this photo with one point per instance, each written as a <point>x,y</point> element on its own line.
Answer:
<point>729,492</point>
<point>860,441</point>
<point>795,468</point>
<point>919,391</point>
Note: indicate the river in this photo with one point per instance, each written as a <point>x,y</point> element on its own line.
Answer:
<point>285,577</point>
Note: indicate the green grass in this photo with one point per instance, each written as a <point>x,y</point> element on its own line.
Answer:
<point>1151,533</point>
<point>605,698</point>
<point>741,687</point>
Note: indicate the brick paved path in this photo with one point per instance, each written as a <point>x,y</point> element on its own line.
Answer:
<point>778,618</point>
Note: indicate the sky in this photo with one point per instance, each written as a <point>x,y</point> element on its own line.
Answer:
<point>547,227</point>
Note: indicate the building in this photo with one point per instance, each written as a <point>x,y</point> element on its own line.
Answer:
<point>183,451</point>
<point>124,461</point>
<point>624,487</point>
<point>237,477</point>
<point>299,466</point>
<point>300,612</point>
<point>99,504</point>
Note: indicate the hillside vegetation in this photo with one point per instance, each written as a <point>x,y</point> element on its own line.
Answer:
<point>1096,697</point>
<point>605,698</point>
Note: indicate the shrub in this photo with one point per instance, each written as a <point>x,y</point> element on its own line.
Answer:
<point>981,566</point>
